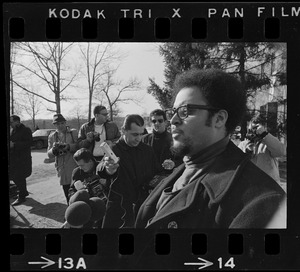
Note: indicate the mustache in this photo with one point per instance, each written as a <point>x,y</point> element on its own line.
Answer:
<point>176,130</point>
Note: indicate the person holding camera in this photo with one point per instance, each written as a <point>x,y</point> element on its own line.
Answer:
<point>92,134</point>
<point>263,148</point>
<point>85,175</point>
<point>62,144</point>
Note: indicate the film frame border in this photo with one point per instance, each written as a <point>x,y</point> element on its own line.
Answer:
<point>144,30</point>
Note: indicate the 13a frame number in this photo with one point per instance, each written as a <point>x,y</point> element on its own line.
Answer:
<point>229,263</point>
<point>68,263</point>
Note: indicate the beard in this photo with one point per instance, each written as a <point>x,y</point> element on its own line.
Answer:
<point>182,148</point>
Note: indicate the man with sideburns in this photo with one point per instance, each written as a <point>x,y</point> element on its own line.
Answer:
<point>217,186</point>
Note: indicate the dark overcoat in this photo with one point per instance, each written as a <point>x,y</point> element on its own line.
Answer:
<point>233,194</point>
<point>20,154</point>
<point>138,165</point>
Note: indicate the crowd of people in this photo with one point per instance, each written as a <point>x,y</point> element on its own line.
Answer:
<point>186,173</point>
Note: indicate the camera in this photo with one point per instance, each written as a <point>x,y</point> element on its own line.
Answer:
<point>96,136</point>
<point>95,186</point>
<point>252,136</point>
<point>59,149</point>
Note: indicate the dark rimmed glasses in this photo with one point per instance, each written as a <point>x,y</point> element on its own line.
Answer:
<point>184,110</point>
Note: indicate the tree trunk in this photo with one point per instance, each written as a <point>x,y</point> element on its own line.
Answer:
<point>90,105</point>
<point>57,100</point>
<point>33,123</point>
<point>111,112</point>
<point>243,80</point>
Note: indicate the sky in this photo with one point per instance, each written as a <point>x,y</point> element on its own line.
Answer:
<point>142,61</point>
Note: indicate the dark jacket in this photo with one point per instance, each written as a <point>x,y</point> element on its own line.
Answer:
<point>111,130</point>
<point>233,194</point>
<point>129,186</point>
<point>20,154</point>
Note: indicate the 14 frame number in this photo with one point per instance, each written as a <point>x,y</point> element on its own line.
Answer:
<point>229,263</point>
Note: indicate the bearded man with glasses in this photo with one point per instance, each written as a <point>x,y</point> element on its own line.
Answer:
<point>217,186</point>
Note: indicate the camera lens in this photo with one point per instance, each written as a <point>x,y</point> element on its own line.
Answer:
<point>97,138</point>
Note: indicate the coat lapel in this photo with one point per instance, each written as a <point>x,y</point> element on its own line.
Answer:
<point>216,182</point>
<point>181,202</point>
<point>168,181</point>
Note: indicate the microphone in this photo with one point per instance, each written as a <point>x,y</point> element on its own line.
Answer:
<point>78,213</point>
<point>81,195</point>
<point>82,209</point>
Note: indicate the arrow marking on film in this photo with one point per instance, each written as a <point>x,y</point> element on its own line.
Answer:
<point>47,263</point>
<point>203,264</point>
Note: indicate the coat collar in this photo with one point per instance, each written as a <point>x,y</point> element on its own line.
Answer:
<point>224,171</point>
<point>217,182</point>
<point>20,126</point>
<point>92,122</point>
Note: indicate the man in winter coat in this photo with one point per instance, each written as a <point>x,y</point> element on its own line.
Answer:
<point>62,144</point>
<point>92,134</point>
<point>130,177</point>
<point>217,186</point>
<point>263,148</point>
<point>20,166</point>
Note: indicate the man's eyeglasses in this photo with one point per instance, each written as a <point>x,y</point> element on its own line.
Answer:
<point>104,114</point>
<point>159,121</point>
<point>184,110</point>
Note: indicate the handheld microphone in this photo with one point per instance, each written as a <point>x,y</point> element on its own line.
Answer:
<point>107,150</point>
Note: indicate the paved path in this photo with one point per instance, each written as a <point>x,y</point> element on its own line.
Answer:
<point>45,206</point>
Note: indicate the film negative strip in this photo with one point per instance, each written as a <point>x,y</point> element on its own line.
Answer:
<point>262,40</point>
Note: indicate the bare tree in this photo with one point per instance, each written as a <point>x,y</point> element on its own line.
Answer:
<point>116,92</point>
<point>14,105</point>
<point>32,105</point>
<point>12,61</point>
<point>46,62</point>
<point>96,58</point>
<point>79,112</point>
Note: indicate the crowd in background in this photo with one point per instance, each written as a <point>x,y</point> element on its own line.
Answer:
<point>185,173</point>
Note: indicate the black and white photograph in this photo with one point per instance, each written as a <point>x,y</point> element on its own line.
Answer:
<point>152,137</point>
<point>66,99</point>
